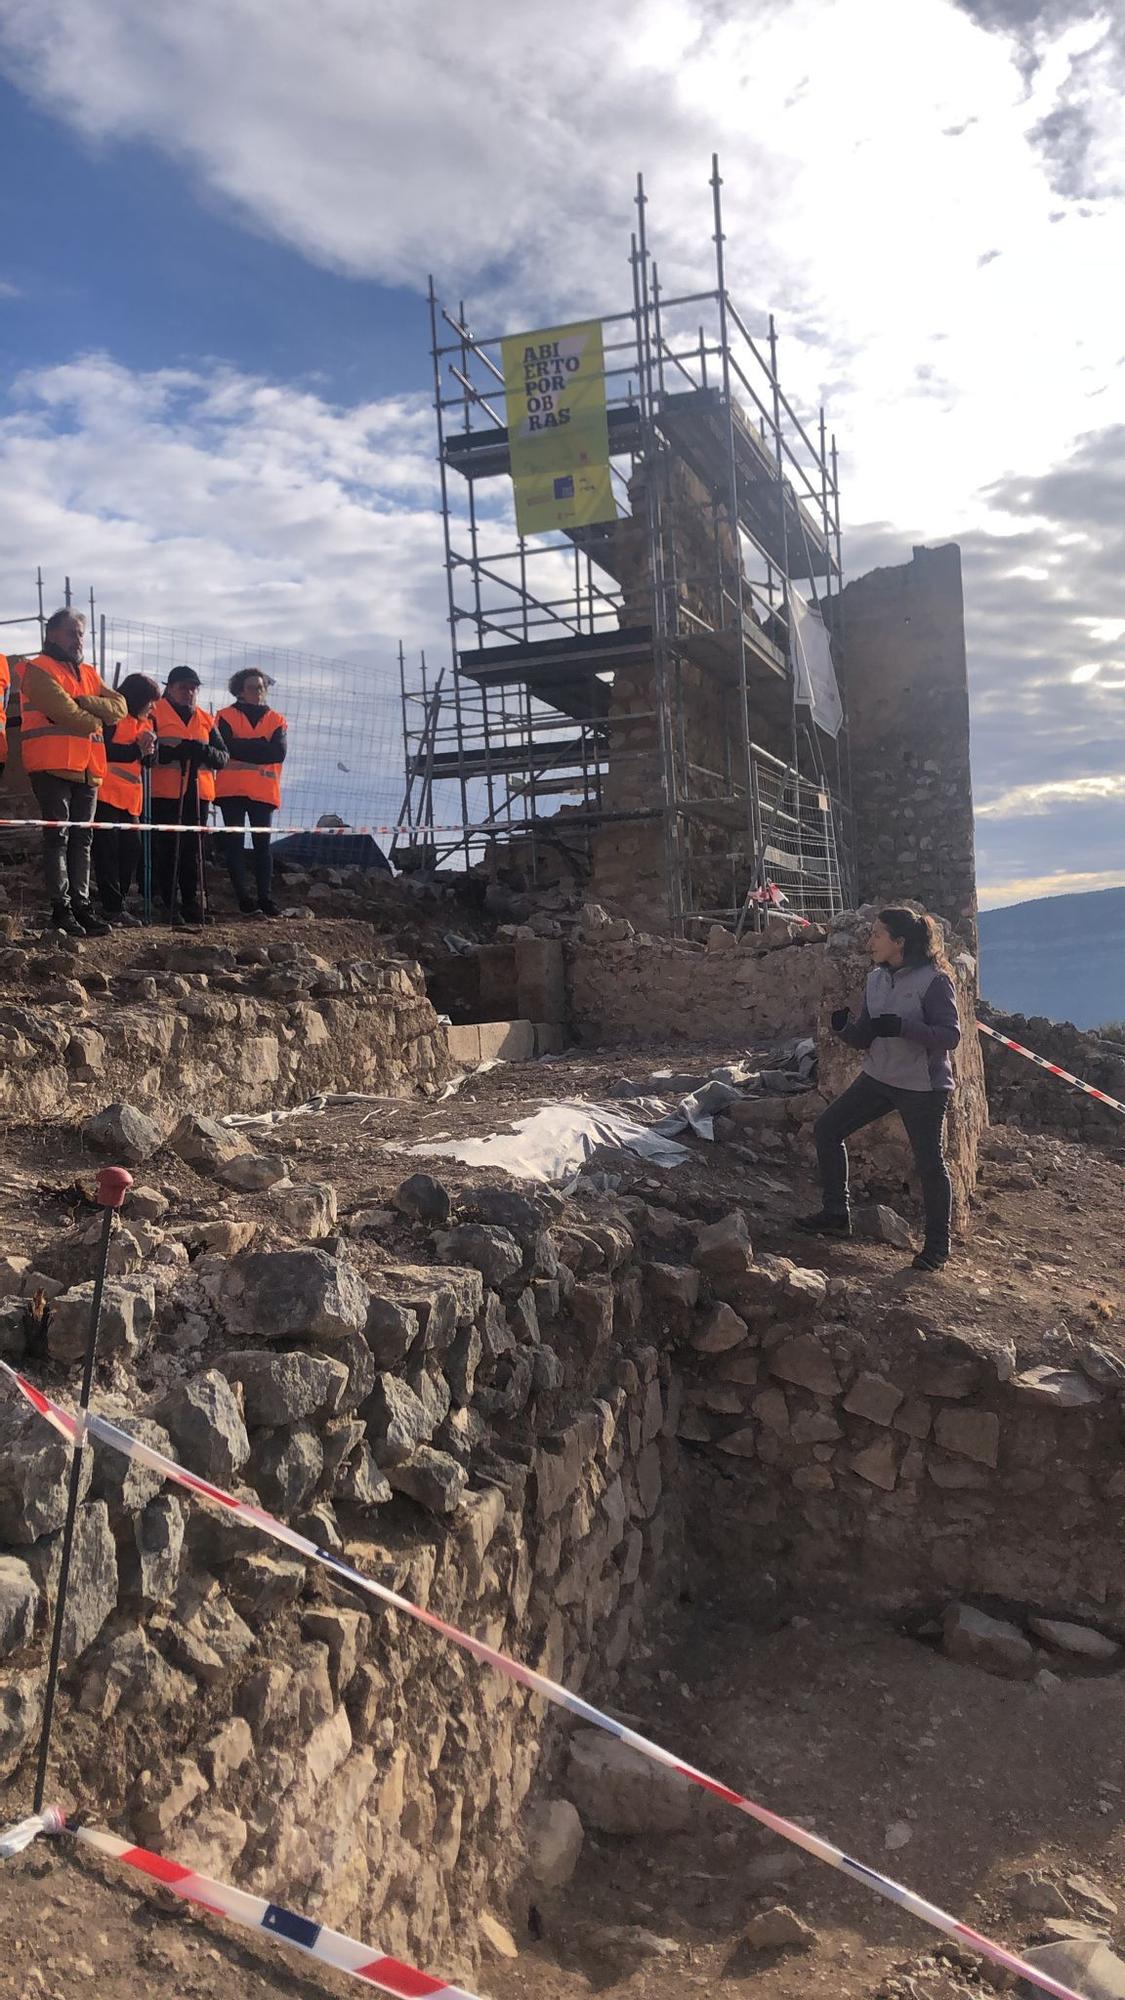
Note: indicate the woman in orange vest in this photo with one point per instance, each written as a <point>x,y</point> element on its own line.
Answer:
<point>65,706</point>
<point>188,754</point>
<point>129,746</point>
<point>250,787</point>
<point>5,684</point>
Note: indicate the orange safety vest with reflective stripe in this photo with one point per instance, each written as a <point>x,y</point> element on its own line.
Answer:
<point>167,779</point>
<point>5,683</point>
<point>123,785</point>
<point>243,780</point>
<point>47,745</point>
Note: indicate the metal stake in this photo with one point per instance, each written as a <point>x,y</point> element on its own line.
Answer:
<point>112,1186</point>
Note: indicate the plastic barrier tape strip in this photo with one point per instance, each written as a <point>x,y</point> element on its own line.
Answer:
<point>1052,1068</point>
<point>539,1684</point>
<point>296,826</point>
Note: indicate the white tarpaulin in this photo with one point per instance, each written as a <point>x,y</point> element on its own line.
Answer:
<point>554,1142</point>
<point>812,665</point>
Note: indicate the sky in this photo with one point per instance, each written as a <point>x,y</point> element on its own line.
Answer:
<point>218,223</point>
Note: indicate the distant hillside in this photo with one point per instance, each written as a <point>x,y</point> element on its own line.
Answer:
<point>1063,956</point>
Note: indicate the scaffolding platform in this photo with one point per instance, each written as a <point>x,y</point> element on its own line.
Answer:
<point>702,425</point>
<point>565,673</point>
<point>484,454</point>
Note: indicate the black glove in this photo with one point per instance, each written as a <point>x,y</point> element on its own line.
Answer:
<point>192,755</point>
<point>840,1017</point>
<point>887,1024</point>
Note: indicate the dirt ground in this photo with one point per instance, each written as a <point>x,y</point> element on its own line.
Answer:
<point>834,1719</point>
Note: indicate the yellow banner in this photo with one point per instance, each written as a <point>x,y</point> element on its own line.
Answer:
<point>558,434</point>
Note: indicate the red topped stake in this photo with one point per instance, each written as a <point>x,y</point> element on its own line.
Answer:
<point>113,1184</point>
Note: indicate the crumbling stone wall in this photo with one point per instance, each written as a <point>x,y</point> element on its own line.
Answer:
<point>490,1434</point>
<point>1021,1094</point>
<point>268,1025</point>
<point>902,631</point>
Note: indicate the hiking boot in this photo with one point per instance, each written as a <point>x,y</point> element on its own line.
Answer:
<point>826,1222</point>
<point>248,906</point>
<point>92,925</point>
<point>122,920</point>
<point>189,919</point>
<point>268,907</point>
<point>63,919</point>
<point>930,1260</point>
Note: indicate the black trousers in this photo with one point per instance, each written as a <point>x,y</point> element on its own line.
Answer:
<point>66,849</point>
<point>236,812</point>
<point>117,856</point>
<point>166,812</point>
<point>923,1114</point>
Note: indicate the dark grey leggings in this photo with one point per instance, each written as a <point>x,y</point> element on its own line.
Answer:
<point>923,1114</point>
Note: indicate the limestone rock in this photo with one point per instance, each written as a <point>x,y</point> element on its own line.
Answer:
<point>492,1251</point>
<point>160,1808</point>
<point>432,1478</point>
<point>495,1937</point>
<point>1082,1642</point>
<point>723,1249</point>
<point>617,1790</point>
<point>1090,1966</point>
<point>34,1476</point>
<point>123,1131</point>
<point>873,1397</point>
<point>285,1466</point>
<point>128,1313</point>
<point>804,1360</point>
<point>992,1643</point>
<point>1039,1896</point>
<point>124,1483</point>
<point>287,1388</point>
<point>19,1605</point>
<point>505,1208</point>
<point>21,1706</point>
<point>720,1330</point>
<point>147,1204</point>
<point>206,1427</point>
<point>295,1294</point>
<point>392,1329</point>
<point>252,1173</point>
<point>884,1225</point>
<point>158,1537</point>
<point>309,1210</point>
<point>1090,1893</point>
<point>228,1751</point>
<point>424,1199</point>
<point>1056,1388</point>
<point>779,1929</point>
<point>206,1145</point>
<point>877,1463</point>
<point>397,1421</point>
<point>13,1271</point>
<point>92,1590</point>
<point>805,1291</point>
<point>672,1284</point>
<point>971,1434</point>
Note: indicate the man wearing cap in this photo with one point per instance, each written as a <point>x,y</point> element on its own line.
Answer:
<point>65,708</point>
<point>189,752</point>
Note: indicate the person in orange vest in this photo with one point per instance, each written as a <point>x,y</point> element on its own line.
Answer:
<point>189,752</point>
<point>250,787</point>
<point>5,684</point>
<point>65,706</point>
<point>129,746</point>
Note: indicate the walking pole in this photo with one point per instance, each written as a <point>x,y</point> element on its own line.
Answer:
<point>176,839</point>
<point>112,1186</point>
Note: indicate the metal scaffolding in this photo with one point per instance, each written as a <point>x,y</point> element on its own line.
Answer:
<point>639,674</point>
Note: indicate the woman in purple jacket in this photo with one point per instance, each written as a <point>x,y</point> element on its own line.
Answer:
<point>907,1027</point>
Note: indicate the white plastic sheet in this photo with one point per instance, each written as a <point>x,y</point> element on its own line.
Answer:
<point>812,664</point>
<point>555,1142</point>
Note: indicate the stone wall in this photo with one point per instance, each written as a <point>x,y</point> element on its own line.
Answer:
<point>906,693</point>
<point>490,1434</point>
<point>1021,1094</point>
<point>909,1460</point>
<point>267,1025</point>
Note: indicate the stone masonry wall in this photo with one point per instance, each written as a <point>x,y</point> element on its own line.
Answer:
<point>268,1025</point>
<point>906,694</point>
<point>490,1433</point>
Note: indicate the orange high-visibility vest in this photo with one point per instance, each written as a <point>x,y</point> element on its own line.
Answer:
<point>244,780</point>
<point>5,683</point>
<point>167,779</point>
<point>123,785</point>
<point>47,745</point>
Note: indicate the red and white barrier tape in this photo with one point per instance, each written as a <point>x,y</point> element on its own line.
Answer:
<point>1052,1069</point>
<point>536,1683</point>
<point>296,826</point>
<point>255,1913</point>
